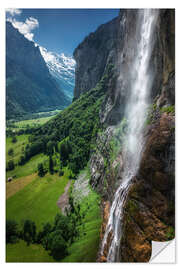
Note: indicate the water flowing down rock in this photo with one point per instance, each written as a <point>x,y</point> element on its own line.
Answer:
<point>135,112</point>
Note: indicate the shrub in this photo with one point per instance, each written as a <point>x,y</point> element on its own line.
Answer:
<point>57,245</point>
<point>61,173</point>
<point>47,228</point>
<point>11,231</point>
<point>22,160</point>
<point>11,152</point>
<point>29,231</point>
<point>14,139</point>
<point>64,224</point>
<point>168,109</point>
<point>10,165</point>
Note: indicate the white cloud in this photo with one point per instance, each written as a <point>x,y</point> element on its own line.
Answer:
<point>26,27</point>
<point>13,11</point>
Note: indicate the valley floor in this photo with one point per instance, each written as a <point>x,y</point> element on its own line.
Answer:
<point>39,199</point>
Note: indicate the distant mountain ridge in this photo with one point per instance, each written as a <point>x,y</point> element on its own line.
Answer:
<point>62,68</point>
<point>29,85</point>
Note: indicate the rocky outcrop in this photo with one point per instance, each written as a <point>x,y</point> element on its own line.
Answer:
<point>149,210</point>
<point>81,188</point>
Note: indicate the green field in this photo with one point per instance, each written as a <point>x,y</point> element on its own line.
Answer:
<point>33,122</point>
<point>28,168</point>
<point>22,140</point>
<point>38,200</point>
<point>20,252</point>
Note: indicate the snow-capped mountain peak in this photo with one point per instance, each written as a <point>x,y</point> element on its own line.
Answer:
<point>62,67</point>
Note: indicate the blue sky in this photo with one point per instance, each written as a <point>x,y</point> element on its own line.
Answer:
<point>59,30</point>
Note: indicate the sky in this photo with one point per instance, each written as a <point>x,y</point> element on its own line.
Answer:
<point>59,30</point>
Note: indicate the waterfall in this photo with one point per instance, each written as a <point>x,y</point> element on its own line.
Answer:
<point>135,112</point>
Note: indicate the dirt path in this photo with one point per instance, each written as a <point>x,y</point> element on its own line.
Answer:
<point>64,199</point>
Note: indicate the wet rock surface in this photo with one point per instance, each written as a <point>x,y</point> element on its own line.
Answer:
<point>149,210</point>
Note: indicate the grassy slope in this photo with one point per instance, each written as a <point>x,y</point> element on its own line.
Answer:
<point>85,247</point>
<point>31,197</point>
<point>18,184</point>
<point>20,252</point>
<point>29,168</point>
<point>33,122</point>
<point>22,140</point>
<point>38,200</point>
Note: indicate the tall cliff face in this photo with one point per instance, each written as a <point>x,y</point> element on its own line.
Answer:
<point>149,208</point>
<point>162,63</point>
<point>29,85</point>
<point>93,55</point>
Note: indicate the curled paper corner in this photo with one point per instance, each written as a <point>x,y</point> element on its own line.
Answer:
<point>163,252</point>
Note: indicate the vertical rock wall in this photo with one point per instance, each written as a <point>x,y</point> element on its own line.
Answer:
<point>149,209</point>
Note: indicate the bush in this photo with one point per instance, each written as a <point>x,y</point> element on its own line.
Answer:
<point>61,173</point>
<point>10,165</point>
<point>57,245</point>
<point>22,160</point>
<point>63,223</point>
<point>11,231</point>
<point>14,139</point>
<point>47,228</point>
<point>168,109</point>
<point>29,232</point>
<point>11,152</point>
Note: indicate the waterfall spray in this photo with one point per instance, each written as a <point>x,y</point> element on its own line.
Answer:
<point>135,113</point>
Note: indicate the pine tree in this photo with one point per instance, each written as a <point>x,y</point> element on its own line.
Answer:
<point>51,165</point>
<point>41,171</point>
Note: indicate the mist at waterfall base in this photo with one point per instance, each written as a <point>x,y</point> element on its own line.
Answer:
<point>135,112</point>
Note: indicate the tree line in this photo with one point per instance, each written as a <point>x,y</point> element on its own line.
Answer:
<point>55,237</point>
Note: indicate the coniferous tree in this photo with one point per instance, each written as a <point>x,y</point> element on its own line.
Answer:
<point>41,171</point>
<point>51,165</point>
<point>29,231</point>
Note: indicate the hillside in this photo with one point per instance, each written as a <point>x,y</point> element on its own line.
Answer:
<point>30,87</point>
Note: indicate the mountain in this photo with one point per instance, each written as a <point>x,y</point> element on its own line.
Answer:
<point>100,50</point>
<point>118,136</point>
<point>110,64</point>
<point>62,68</point>
<point>29,85</point>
